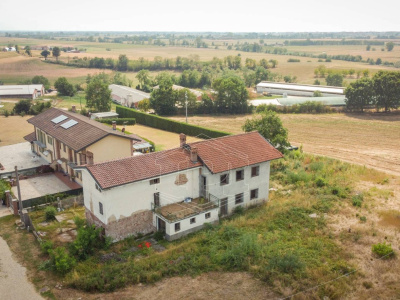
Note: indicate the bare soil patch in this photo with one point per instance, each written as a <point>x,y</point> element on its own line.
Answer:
<point>372,140</point>
<point>13,129</point>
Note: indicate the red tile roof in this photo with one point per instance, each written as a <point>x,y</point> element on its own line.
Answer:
<point>235,151</point>
<point>30,137</point>
<point>218,155</point>
<point>79,136</point>
<point>131,169</point>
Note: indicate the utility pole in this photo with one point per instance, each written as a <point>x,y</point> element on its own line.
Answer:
<point>186,103</point>
<point>19,193</point>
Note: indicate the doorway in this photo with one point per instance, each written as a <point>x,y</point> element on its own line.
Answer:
<point>160,225</point>
<point>224,207</point>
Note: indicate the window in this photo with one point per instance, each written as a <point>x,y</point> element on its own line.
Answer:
<point>64,148</point>
<point>177,227</point>
<point>254,194</point>
<point>208,215</point>
<point>155,181</point>
<point>239,175</point>
<point>101,208</point>
<point>239,198</point>
<point>224,179</point>
<point>50,140</point>
<point>255,171</point>
<point>192,220</point>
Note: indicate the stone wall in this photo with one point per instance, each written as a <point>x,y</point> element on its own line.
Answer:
<point>139,222</point>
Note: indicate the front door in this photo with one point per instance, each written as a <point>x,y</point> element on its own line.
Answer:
<point>160,224</point>
<point>224,207</point>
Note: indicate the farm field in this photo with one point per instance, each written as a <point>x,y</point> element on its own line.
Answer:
<point>13,129</point>
<point>370,140</point>
<point>20,67</point>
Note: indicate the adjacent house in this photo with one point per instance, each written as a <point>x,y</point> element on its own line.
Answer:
<point>31,91</point>
<point>127,96</point>
<point>177,191</point>
<point>67,140</point>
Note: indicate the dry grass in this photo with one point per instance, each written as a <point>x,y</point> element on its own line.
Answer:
<point>370,139</point>
<point>13,129</point>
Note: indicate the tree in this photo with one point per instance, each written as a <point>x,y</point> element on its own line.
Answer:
<point>64,88</point>
<point>122,64</point>
<point>28,50</point>
<point>45,53</point>
<point>39,79</point>
<point>368,47</point>
<point>389,46</point>
<point>144,78</point>
<point>269,125</point>
<point>378,61</point>
<point>23,106</point>
<point>181,99</point>
<point>98,95</point>
<point>273,62</point>
<point>317,94</point>
<point>17,48</point>
<point>144,105</point>
<point>56,52</point>
<point>334,79</point>
<point>387,89</point>
<point>360,94</point>
<point>163,99</point>
<point>230,94</point>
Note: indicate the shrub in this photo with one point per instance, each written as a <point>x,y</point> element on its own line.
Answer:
<point>238,210</point>
<point>79,222</point>
<point>46,247</point>
<point>167,124</point>
<point>289,263</point>
<point>50,213</point>
<point>363,219</point>
<point>320,182</point>
<point>383,250</point>
<point>87,240</point>
<point>62,261</point>
<point>22,106</point>
<point>293,60</point>
<point>357,200</point>
<point>6,113</point>
<point>158,236</point>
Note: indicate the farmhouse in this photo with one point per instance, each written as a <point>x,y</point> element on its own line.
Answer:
<point>31,91</point>
<point>67,139</point>
<point>294,89</point>
<point>177,191</point>
<point>127,96</point>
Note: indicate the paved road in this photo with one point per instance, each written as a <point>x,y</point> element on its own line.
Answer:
<point>14,284</point>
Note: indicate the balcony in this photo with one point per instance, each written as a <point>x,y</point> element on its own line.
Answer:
<point>182,210</point>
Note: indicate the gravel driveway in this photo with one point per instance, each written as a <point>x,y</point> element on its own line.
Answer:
<point>14,284</point>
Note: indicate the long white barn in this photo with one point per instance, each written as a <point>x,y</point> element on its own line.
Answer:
<point>294,89</point>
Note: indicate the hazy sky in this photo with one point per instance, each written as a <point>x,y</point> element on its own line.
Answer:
<point>203,15</point>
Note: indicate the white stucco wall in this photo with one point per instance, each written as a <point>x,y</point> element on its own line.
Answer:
<point>244,186</point>
<point>122,201</point>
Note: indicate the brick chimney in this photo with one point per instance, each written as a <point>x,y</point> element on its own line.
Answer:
<point>114,125</point>
<point>73,108</point>
<point>193,155</point>
<point>182,138</point>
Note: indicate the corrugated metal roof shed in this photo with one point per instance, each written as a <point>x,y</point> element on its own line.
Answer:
<point>10,90</point>
<point>331,101</point>
<point>301,87</point>
<point>126,95</point>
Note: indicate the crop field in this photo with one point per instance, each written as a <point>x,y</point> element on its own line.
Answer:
<point>371,140</point>
<point>22,67</point>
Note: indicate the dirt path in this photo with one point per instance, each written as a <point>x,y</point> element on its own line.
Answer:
<point>13,281</point>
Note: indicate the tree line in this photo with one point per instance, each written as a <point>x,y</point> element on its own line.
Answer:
<point>382,91</point>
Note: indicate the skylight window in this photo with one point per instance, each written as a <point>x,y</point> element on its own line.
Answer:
<point>59,119</point>
<point>69,124</point>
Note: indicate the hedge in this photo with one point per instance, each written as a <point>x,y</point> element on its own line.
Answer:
<point>120,121</point>
<point>167,124</point>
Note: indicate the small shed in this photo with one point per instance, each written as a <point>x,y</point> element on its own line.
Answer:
<point>104,115</point>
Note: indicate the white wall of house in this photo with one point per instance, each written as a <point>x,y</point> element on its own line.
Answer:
<point>260,182</point>
<point>122,201</point>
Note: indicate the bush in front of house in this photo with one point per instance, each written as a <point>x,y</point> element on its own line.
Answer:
<point>87,241</point>
<point>50,213</point>
<point>61,261</point>
<point>383,250</point>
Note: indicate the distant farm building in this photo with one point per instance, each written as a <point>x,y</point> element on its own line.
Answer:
<point>9,49</point>
<point>127,96</point>
<point>31,91</point>
<point>328,101</point>
<point>175,87</point>
<point>293,89</point>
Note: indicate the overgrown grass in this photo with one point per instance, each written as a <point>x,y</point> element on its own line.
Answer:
<point>278,243</point>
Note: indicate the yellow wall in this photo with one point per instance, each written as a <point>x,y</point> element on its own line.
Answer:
<point>111,147</point>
